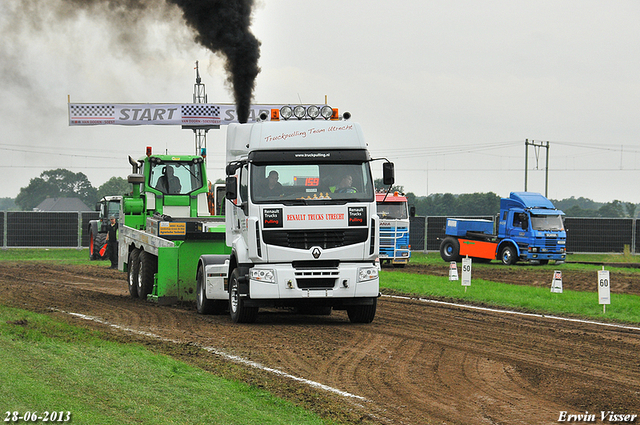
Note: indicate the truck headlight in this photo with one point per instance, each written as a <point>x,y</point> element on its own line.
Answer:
<point>263,275</point>
<point>367,273</point>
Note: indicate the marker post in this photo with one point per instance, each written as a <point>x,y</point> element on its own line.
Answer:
<point>556,283</point>
<point>453,271</point>
<point>466,272</point>
<point>604,289</point>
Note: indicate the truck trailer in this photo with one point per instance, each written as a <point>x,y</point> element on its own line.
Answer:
<point>393,210</point>
<point>165,225</point>
<point>529,228</point>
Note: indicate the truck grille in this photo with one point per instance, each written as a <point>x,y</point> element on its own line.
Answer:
<point>316,279</point>
<point>305,239</point>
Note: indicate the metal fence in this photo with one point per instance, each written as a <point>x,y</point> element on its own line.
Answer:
<point>20,229</point>
<point>26,229</point>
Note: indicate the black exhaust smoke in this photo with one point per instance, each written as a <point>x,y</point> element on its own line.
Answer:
<point>223,26</point>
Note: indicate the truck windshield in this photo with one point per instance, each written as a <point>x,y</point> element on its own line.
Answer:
<point>547,222</point>
<point>393,210</point>
<point>176,177</point>
<point>311,182</point>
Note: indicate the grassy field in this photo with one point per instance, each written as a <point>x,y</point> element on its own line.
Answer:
<point>623,308</point>
<point>49,366</point>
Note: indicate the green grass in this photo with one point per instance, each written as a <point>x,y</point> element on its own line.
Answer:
<point>55,255</point>
<point>623,307</point>
<point>47,365</point>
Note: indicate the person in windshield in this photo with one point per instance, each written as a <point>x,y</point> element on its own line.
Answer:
<point>273,187</point>
<point>168,183</point>
<point>345,185</point>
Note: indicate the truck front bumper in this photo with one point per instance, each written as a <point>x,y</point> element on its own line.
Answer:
<point>283,282</point>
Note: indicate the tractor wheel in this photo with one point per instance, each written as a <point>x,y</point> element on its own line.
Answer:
<point>450,249</point>
<point>148,267</point>
<point>362,313</point>
<point>238,311</point>
<point>134,269</point>
<point>508,255</point>
<point>96,242</point>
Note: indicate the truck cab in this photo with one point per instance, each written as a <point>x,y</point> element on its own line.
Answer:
<point>393,210</point>
<point>300,219</point>
<point>534,227</point>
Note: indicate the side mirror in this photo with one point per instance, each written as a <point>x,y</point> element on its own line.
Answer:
<point>412,211</point>
<point>231,168</point>
<point>232,188</point>
<point>388,174</point>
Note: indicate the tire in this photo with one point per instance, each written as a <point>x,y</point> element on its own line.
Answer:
<point>362,313</point>
<point>508,255</point>
<point>134,269</point>
<point>203,304</point>
<point>238,311</point>
<point>96,242</point>
<point>450,249</point>
<point>148,268</point>
<point>398,266</point>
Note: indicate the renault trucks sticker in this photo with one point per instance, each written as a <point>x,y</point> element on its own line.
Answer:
<point>272,217</point>
<point>357,216</point>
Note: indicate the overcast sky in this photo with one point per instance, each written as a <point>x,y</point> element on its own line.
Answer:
<point>449,91</point>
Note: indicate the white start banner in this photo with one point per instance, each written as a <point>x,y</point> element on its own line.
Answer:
<point>188,114</point>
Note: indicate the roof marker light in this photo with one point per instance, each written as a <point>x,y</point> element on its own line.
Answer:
<point>299,112</point>
<point>286,112</point>
<point>326,112</point>
<point>313,111</point>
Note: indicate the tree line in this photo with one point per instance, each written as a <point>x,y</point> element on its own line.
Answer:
<point>448,204</point>
<point>62,183</point>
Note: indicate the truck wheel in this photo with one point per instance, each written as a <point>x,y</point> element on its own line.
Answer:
<point>134,268</point>
<point>238,311</point>
<point>96,242</point>
<point>508,255</point>
<point>450,249</point>
<point>362,313</point>
<point>203,304</point>
<point>148,265</point>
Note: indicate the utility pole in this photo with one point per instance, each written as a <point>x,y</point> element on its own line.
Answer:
<point>200,132</point>
<point>537,146</point>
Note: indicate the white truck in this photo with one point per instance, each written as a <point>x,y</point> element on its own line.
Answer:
<point>301,221</point>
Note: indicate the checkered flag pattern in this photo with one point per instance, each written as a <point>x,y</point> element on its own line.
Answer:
<point>200,110</point>
<point>93,111</point>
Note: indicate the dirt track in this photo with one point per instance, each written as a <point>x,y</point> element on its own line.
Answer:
<point>417,363</point>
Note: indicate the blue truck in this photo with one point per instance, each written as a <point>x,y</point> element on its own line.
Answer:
<point>529,228</point>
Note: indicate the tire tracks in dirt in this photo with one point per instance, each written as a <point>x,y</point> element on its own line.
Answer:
<point>416,363</point>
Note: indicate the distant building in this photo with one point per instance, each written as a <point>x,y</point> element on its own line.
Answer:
<point>62,204</point>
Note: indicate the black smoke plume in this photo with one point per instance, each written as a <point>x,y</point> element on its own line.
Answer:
<point>223,26</point>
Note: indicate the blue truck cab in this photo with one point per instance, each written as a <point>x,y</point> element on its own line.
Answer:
<point>529,228</point>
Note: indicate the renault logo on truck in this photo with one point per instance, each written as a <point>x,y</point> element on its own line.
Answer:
<point>315,251</point>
